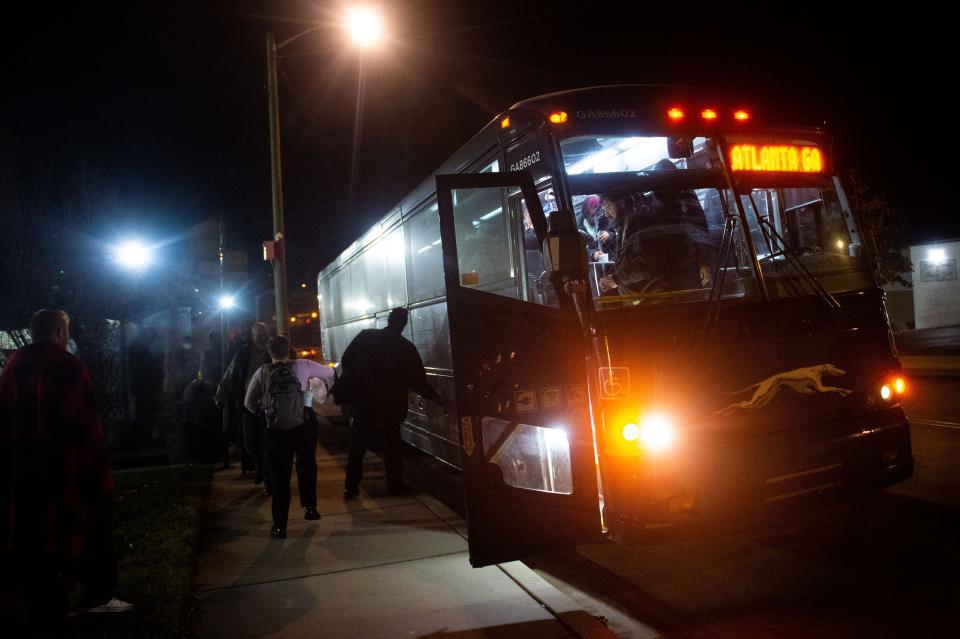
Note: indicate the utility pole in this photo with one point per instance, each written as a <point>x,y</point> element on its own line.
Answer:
<point>223,359</point>
<point>280,257</point>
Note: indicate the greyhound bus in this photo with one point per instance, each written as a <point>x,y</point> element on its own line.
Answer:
<point>580,403</point>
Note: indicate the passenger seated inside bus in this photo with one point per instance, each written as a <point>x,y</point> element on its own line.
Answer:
<point>663,241</point>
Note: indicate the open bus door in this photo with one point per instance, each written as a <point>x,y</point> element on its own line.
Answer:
<point>527,448</point>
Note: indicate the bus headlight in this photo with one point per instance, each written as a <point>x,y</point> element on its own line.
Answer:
<point>885,392</point>
<point>657,433</point>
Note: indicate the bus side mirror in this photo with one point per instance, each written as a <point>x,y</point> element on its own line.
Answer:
<point>563,255</point>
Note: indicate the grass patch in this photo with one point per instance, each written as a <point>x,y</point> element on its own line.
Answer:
<point>157,519</point>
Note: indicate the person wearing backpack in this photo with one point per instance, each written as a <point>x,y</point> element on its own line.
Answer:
<point>281,391</point>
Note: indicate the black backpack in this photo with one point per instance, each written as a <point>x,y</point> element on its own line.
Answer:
<point>282,399</point>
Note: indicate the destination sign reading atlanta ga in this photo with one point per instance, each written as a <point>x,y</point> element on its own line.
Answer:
<point>776,157</point>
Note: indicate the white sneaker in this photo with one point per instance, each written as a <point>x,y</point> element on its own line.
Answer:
<point>114,605</point>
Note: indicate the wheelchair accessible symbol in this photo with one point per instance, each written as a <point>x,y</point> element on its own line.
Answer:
<point>614,382</point>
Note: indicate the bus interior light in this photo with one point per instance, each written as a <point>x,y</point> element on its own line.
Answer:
<point>558,117</point>
<point>708,114</point>
<point>675,114</point>
<point>741,115</point>
<point>631,432</point>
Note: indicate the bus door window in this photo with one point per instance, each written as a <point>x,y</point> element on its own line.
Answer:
<point>485,241</point>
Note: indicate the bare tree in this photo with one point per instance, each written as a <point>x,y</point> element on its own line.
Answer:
<point>48,222</point>
<point>885,227</point>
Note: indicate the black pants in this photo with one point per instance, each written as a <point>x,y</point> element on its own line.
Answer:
<point>254,444</point>
<point>369,421</point>
<point>98,565</point>
<point>281,446</point>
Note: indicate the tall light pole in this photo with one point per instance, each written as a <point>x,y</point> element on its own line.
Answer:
<point>134,256</point>
<point>365,29</point>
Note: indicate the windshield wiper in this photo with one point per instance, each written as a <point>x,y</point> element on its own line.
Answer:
<point>791,257</point>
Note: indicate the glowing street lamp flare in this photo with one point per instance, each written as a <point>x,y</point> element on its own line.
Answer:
<point>364,27</point>
<point>133,255</point>
<point>226,302</point>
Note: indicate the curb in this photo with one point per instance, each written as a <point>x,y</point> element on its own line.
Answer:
<point>932,372</point>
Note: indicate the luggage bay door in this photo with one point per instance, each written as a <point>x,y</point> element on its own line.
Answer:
<point>527,449</point>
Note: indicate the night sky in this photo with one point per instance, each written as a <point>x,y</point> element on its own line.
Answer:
<point>168,100</point>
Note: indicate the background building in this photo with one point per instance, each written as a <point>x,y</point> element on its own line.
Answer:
<point>936,289</point>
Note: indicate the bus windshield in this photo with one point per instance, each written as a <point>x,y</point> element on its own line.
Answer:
<point>661,223</point>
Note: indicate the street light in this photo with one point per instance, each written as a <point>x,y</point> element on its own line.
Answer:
<point>225,302</point>
<point>365,29</point>
<point>133,255</point>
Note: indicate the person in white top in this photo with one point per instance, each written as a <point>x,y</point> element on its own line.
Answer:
<point>286,434</point>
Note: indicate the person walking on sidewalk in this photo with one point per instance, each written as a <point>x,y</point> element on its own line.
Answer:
<point>248,358</point>
<point>281,390</point>
<point>56,486</point>
<point>379,367</point>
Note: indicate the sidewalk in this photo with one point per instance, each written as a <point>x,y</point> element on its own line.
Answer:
<point>931,365</point>
<point>380,566</point>
<point>933,352</point>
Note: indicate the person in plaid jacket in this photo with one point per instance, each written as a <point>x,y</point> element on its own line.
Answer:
<point>56,485</point>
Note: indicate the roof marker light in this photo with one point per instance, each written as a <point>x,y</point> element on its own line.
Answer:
<point>505,123</point>
<point>675,114</point>
<point>558,117</point>
<point>708,114</point>
<point>741,115</point>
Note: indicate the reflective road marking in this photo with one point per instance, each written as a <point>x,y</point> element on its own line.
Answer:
<point>940,423</point>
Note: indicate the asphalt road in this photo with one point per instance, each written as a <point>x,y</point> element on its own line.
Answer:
<point>890,568</point>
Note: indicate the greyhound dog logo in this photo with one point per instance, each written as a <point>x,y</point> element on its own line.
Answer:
<point>803,381</point>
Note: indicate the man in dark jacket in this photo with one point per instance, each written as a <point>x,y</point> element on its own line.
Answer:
<point>246,360</point>
<point>55,482</point>
<point>663,240</point>
<point>379,367</point>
